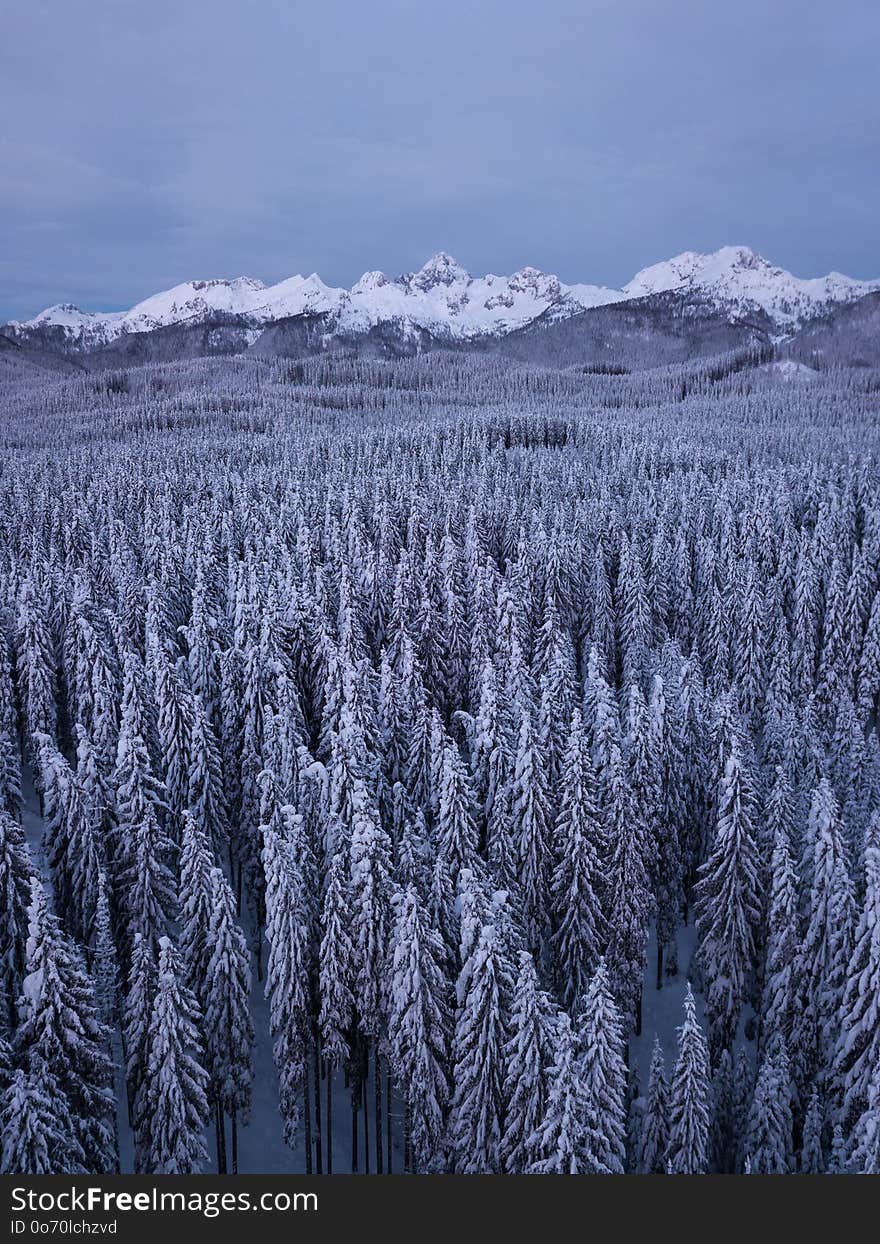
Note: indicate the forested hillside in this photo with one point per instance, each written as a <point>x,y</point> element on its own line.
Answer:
<point>466,712</point>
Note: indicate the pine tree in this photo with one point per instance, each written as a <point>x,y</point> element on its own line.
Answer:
<point>104,958</point>
<point>688,1152</point>
<point>171,1111</point>
<point>476,1119</point>
<point>769,1143</point>
<point>826,946</point>
<point>72,847</point>
<point>528,1055</point>
<point>370,861</point>
<point>418,1026</point>
<point>728,907</point>
<point>137,1008</point>
<point>38,1135</point>
<point>289,963</point>
<point>602,1078</point>
<point>196,890</point>
<point>780,994</point>
<point>137,792</point>
<point>576,883</point>
<point>16,870</point>
<point>629,896</point>
<point>36,661</point>
<point>866,1136</point>
<point>60,1031</point>
<point>812,1159</point>
<point>149,898</point>
<point>336,957</point>
<point>858,1052</point>
<point>456,831</point>
<point>206,799</point>
<point>228,1027</point>
<point>529,817</point>
<point>655,1129</point>
<point>558,1139</point>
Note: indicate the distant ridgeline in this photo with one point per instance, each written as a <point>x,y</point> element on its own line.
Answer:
<point>684,308</point>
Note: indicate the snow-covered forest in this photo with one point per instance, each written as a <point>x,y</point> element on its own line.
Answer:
<point>440,765</point>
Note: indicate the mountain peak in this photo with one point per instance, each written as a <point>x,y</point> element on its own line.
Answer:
<point>444,300</point>
<point>441,269</point>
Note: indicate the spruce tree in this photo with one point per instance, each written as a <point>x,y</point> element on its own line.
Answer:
<point>60,1031</point>
<point>476,1119</point>
<point>419,1026</point>
<point>602,1078</point>
<point>228,1027</point>
<point>577,880</point>
<point>36,1130</point>
<point>688,1152</point>
<point>528,1054</point>
<point>858,1052</point>
<point>171,1110</point>
<point>728,904</point>
<point>655,1128</point>
<point>558,1138</point>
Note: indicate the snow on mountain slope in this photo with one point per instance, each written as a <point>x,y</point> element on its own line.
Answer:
<point>444,299</point>
<point>741,281</point>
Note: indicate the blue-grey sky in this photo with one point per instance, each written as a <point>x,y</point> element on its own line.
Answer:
<point>146,143</point>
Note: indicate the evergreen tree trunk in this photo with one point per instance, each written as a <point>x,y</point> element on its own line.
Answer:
<point>234,1128</point>
<point>355,1089</point>
<point>639,1013</point>
<point>377,1093</point>
<point>407,1155</point>
<point>319,1163</point>
<point>307,1121</point>
<point>329,1113</point>
<point>390,1138</point>
<point>221,1139</point>
<point>364,1078</point>
<point>659,963</point>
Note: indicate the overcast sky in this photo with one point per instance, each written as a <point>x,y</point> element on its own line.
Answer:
<point>143,144</point>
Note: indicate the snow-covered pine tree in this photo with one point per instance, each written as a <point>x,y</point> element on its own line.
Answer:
<point>655,1126</point>
<point>576,884</point>
<point>858,1051</point>
<point>780,998</point>
<point>476,1118</point>
<point>228,1026</point>
<point>812,1158</point>
<point>136,1010</point>
<point>60,1031</point>
<point>688,1152</point>
<point>171,1110</point>
<point>602,1078</point>
<point>769,1143</point>
<point>456,830</point>
<point>826,946</point>
<point>72,847</point>
<point>528,1055</point>
<point>196,891</point>
<point>419,1026</point>
<point>558,1138</point>
<point>728,904</point>
<point>289,931</point>
<point>629,900</point>
<point>37,1135</point>
<point>16,870</point>
<point>529,829</point>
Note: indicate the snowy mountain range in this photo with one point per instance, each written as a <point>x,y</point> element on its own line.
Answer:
<point>445,301</point>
